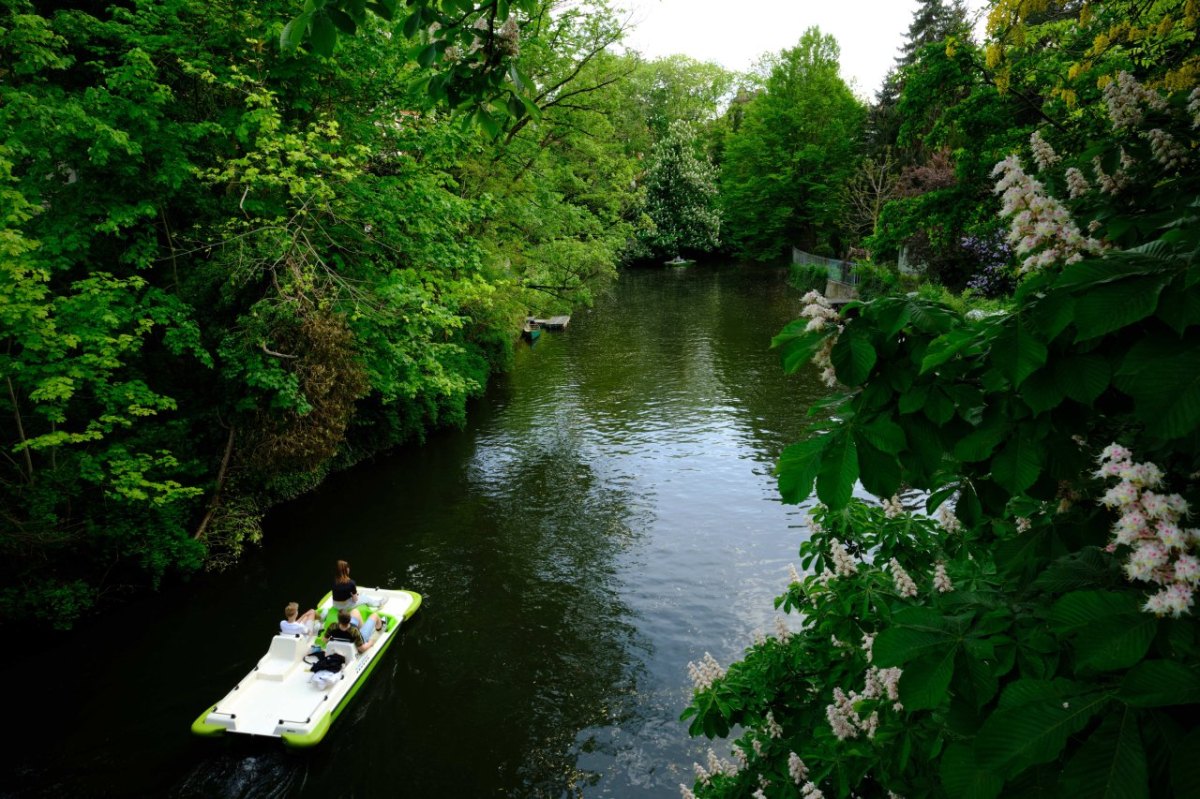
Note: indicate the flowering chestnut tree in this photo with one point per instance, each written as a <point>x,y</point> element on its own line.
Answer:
<point>1040,636</point>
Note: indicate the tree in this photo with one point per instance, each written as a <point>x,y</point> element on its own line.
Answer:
<point>781,180</point>
<point>681,195</point>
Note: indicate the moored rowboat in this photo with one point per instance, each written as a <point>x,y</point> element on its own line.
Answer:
<point>277,699</point>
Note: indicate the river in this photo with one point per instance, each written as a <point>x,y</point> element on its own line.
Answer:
<point>607,515</point>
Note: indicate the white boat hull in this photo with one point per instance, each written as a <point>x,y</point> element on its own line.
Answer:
<point>278,699</point>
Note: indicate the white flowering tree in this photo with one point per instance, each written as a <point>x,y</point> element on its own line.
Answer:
<point>681,195</point>
<point>1040,636</point>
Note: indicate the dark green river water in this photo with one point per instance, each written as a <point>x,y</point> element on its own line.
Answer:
<point>607,515</point>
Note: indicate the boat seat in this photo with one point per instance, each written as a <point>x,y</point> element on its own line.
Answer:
<point>343,648</point>
<point>285,652</point>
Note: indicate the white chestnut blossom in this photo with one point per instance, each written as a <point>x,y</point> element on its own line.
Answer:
<point>1161,552</point>
<point>782,631</point>
<point>793,575</point>
<point>1125,97</point>
<point>1043,153</point>
<point>705,673</point>
<point>1166,151</point>
<point>948,520</point>
<point>820,315</point>
<point>796,768</point>
<point>686,792</point>
<point>893,507</point>
<point>941,580</point>
<point>1077,184</point>
<point>868,640</point>
<point>905,586</point>
<point>773,728</point>
<point>1040,227</point>
<point>1193,106</point>
<point>811,791</point>
<point>1112,184</point>
<point>843,564</point>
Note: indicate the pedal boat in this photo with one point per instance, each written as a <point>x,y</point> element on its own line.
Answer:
<point>278,700</point>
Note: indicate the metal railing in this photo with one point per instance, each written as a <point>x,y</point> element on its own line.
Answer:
<point>840,271</point>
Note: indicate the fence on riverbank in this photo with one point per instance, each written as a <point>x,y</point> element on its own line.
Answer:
<point>841,278</point>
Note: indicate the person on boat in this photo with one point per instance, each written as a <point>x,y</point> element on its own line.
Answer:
<point>343,630</point>
<point>345,591</point>
<point>297,623</point>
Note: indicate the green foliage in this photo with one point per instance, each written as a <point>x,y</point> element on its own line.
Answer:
<point>226,270</point>
<point>1031,658</point>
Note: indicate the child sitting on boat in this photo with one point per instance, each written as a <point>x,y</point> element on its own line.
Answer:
<point>296,623</point>
<point>343,630</point>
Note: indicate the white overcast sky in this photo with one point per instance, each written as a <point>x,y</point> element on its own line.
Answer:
<point>734,33</point>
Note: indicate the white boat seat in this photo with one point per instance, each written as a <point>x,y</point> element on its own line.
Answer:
<point>343,648</point>
<point>285,652</point>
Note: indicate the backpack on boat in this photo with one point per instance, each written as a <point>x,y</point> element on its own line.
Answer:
<point>332,663</point>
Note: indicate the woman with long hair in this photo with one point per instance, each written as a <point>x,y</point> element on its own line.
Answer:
<point>345,591</point>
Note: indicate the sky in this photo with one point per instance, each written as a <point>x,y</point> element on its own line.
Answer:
<point>734,33</point>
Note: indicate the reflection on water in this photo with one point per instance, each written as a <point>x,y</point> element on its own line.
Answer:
<point>608,515</point>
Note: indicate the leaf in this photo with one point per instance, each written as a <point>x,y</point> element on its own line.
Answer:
<point>412,23</point>
<point>324,34</point>
<point>427,55</point>
<point>1041,392</point>
<point>1081,608</point>
<point>945,347</point>
<point>385,9</point>
<point>344,22</point>
<point>293,33</point>
<point>1111,764</point>
<point>979,443</point>
<point>1088,568</point>
<point>914,398</point>
<point>890,314</point>
<point>924,683</point>
<point>883,434</point>
<point>1166,390</point>
<point>1018,464</point>
<point>1117,643</point>
<point>939,407</point>
<point>1116,305</point>
<point>796,345</point>
<point>1097,272</point>
<point>879,471</point>
<point>914,632</point>
<point>1016,351</point>
<point>1160,683</point>
<point>798,467</point>
<point>1083,378</point>
<point>924,444</point>
<point>1185,777</point>
<point>1011,740</point>
<point>964,778</point>
<point>1179,307</point>
<point>1027,691</point>
<point>838,471</point>
<point>853,357</point>
<point>1110,630</point>
<point>1051,314</point>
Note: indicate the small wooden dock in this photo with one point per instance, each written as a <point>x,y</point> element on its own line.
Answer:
<point>553,323</point>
